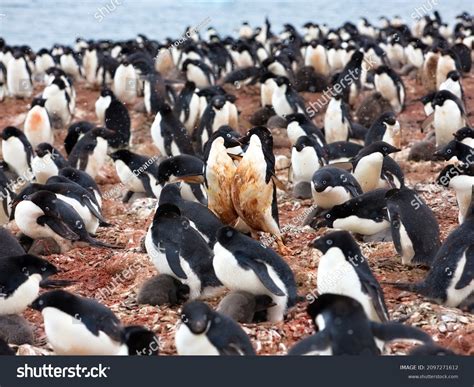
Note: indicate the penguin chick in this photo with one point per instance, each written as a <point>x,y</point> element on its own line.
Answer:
<point>206,332</point>
<point>16,330</point>
<point>161,290</point>
<point>243,306</point>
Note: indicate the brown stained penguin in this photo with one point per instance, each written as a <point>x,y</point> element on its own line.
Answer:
<point>428,72</point>
<point>254,186</point>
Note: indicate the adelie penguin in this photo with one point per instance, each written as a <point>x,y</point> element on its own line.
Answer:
<point>117,121</point>
<point>103,102</point>
<point>204,331</point>
<point>243,264</point>
<point>75,132</point>
<point>300,125</point>
<point>178,250</point>
<point>47,162</point>
<point>134,172</point>
<point>337,125</point>
<point>453,84</point>
<point>19,81</point>
<point>450,280</point>
<point>162,289</point>
<point>371,169</point>
<point>90,152</point>
<point>198,72</point>
<point>17,151</point>
<point>77,325</point>
<point>58,103</point>
<point>20,280</point>
<point>187,107</point>
<point>37,126</point>
<point>415,230</point>
<point>42,215</point>
<point>285,99</point>
<point>169,135</point>
<point>365,215</point>
<point>464,153</point>
<point>343,270</point>
<point>307,156</point>
<point>255,184</point>
<point>465,135</point>
<point>386,128</point>
<point>390,85</point>
<point>126,82</point>
<point>344,329</point>
<point>84,180</point>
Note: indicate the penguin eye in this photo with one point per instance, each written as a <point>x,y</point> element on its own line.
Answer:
<point>329,242</point>
<point>324,182</point>
<point>24,269</point>
<point>229,234</point>
<point>184,318</point>
<point>40,302</point>
<point>448,151</point>
<point>385,148</point>
<point>328,216</point>
<point>228,135</point>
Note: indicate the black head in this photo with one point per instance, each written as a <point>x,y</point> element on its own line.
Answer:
<point>170,193</point>
<point>327,177</point>
<point>11,131</point>
<point>106,92</point>
<point>388,118</point>
<point>281,80</point>
<point>59,83</point>
<point>47,202</point>
<point>230,136</point>
<point>448,151</point>
<point>463,133</point>
<point>31,264</point>
<point>165,109</point>
<point>381,70</point>
<point>380,147</point>
<point>167,211</point>
<point>340,239</point>
<point>357,58</point>
<point>298,117</point>
<point>442,96</point>
<point>428,98</point>
<point>336,305</point>
<point>38,102</point>
<point>123,154</point>
<point>454,75</point>
<point>43,149</point>
<point>218,101</point>
<point>226,235</point>
<point>140,341</point>
<point>54,299</point>
<point>263,134</point>
<point>304,142</point>
<point>197,316</point>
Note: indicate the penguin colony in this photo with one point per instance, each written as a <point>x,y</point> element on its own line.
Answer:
<point>216,250</point>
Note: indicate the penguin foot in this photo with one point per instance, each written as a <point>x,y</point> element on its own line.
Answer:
<point>284,250</point>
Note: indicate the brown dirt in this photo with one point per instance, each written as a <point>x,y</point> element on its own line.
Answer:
<point>119,274</point>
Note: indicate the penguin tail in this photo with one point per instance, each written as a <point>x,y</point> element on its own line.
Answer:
<point>105,224</point>
<point>56,283</point>
<point>97,243</point>
<point>418,287</point>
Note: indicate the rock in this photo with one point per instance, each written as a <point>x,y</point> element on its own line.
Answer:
<point>442,328</point>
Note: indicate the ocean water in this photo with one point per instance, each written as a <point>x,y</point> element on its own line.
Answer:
<point>41,23</point>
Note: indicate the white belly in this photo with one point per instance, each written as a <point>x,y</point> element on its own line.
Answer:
<point>361,226</point>
<point>457,296</point>
<point>330,197</point>
<point>189,344</point>
<point>23,296</point>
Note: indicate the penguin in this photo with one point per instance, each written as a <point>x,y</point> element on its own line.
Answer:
<point>9,245</point>
<point>19,82</point>
<point>386,128</point>
<point>241,263</point>
<point>203,331</point>
<point>316,57</point>
<point>75,132</point>
<point>365,215</point>
<point>134,172</point>
<point>90,152</point>
<point>449,116</point>
<point>200,217</point>
<point>244,307</point>
<point>342,151</point>
<point>20,278</point>
<point>219,173</point>
<point>43,215</point>
<point>217,113</point>
<point>267,87</point>
<point>390,85</point>
<point>464,153</point>
<point>198,72</point>
<point>450,278</point>
<point>47,162</point>
<point>415,53</point>
<point>178,250</point>
<point>427,102</point>
<point>84,180</point>
<point>453,84</point>
<point>7,195</point>
<point>66,191</point>
<point>117,121</point>
<point>332,186</point>
<point>349,79</point>
<point>428,70</point>
<point>103,102</point>
<point>58,103</point>
<point>368,165</point>
<point>285,99</point>
<point>344,329</point>
<point>465,135</point>
<point>70,64</point>
<point>371,108</point>
<point>16,330</point>
<point>37,126</point>
<point>306,158</point>
<point>17,151</point>
<point>187,170</point>
<point>337,125</point>
<point>169,135</point>
<point>299,125</point>
<point>343,270</point>
<point>125,83</point>
<point>43,61</point>
<point>162,289</point>
<point>254,186</point>
<point>448,61</point>
<point>76,325</point>
<point>187,107</point>
<point>415,230</point>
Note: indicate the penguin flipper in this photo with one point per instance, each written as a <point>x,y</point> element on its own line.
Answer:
<point>94,211</point>
<point>468,271</point>
<point>260,270</point>
<point>353,190</point>
<point>55,284</point>
<point>58,227</point>
<point>377,298</point>
<point>319,342</point>
<point>394,331</point>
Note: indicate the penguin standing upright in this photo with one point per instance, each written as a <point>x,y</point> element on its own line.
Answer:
<point>386,128</point>
<point>390,85</point>
<point>450,280</point>
<point>205,332</point>
<point>187,107</point>
<point>453,84</point>
<point>344,270</point>
<point>70,64</point>
<point>178,250</point>
<point>169,135</point>
<point>447,62</point>
<point>58,103</point>
<point>449,116</point>
<point>415,230</point>
<point>337,125</point>
<point>16,150</point>
<point>103,102</point>
<point>254,186</point>
<point>75,132</point>
<point>117,121</point>
<point>37,126</point>
<point>19,81</point>
<point>126,83</point>
<point>299,125</point>
<point>241,263</point>
<point>285,99</point>
<point>198,72</point>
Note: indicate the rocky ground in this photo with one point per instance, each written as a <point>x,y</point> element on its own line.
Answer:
<point>115,276</point>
